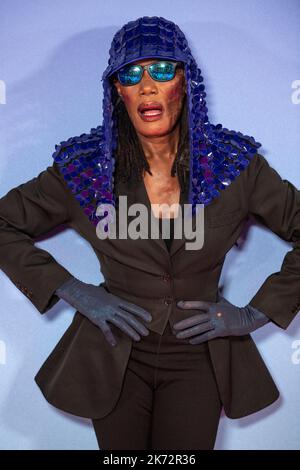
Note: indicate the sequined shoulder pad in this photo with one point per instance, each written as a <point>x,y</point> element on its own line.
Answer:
<point>222,158</point>
<point>81,162</point>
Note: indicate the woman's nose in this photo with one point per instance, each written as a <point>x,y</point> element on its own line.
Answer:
<point>147,84</point>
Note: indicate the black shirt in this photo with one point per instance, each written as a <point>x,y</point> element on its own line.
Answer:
<point>168,241</point>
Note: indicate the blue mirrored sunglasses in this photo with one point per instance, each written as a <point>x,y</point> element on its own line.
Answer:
<point>161,71</point>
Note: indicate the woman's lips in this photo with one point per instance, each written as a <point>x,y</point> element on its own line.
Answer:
<point>150,110</point>
<point>151,114</point>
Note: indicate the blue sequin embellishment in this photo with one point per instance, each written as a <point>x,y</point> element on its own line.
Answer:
<point>217,154</point>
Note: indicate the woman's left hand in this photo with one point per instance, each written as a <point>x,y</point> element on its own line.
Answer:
<point>221,318</point>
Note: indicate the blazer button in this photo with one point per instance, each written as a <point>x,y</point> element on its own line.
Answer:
<point>166,277</point>
<point>168,300</point>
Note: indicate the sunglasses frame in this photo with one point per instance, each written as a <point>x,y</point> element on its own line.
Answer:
<point>147,67</point>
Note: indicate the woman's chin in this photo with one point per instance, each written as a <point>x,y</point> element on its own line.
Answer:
<point>154,129</point>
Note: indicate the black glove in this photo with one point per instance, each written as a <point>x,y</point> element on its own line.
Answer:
<point>222,319</point>
<point>102,307</point>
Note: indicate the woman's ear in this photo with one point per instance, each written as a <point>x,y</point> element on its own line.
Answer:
<point>118,88</point>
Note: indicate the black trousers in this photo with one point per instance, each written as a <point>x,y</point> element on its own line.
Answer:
<point>169,398</point>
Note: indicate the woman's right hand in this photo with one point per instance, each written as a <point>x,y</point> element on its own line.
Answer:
<point>102,308</point>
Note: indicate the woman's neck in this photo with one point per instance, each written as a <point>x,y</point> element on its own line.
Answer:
<point>160,149</point>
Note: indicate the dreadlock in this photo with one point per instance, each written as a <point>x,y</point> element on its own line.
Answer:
<point>129,154</point>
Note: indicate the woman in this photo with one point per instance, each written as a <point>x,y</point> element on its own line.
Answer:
<point>151,371</point>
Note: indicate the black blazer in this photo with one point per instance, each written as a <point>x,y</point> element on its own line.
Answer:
<point>83,374</point>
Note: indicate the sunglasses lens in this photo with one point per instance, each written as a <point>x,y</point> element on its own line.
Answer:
<point>162,71</point>
<point>130,75</point>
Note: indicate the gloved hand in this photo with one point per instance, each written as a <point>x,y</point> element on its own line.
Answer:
<point>102,308</point>
<point>222,318</point>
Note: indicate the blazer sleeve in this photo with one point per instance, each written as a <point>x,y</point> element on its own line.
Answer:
<point>27,211</point>
<point>275,202</point>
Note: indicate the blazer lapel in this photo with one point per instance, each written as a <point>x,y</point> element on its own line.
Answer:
<point>177,243</point>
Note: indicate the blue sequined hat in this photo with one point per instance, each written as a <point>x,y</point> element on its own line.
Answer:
<point>217,155</point>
